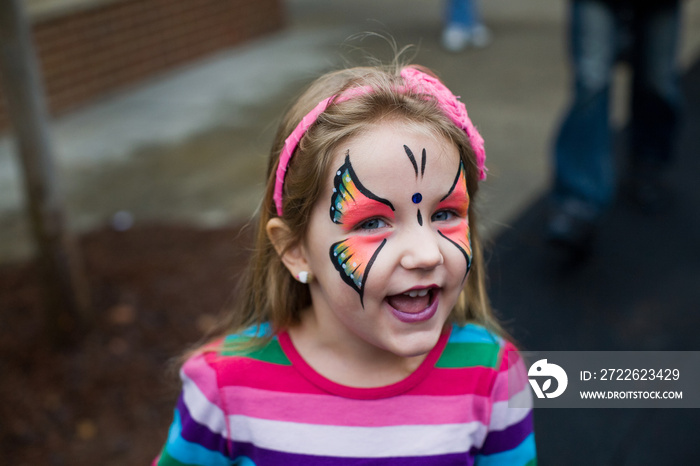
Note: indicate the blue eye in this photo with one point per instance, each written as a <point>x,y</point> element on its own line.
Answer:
<point>442,216</point>
<point>373,224</point>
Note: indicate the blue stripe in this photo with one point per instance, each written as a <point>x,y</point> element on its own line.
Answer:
<point>518,456</point>
<point>253,331</point>
<point>191,453</point>
<point>243,461</point>
<point>473,333</point>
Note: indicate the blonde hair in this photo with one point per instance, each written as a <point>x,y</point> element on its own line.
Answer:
<point>268,293</point>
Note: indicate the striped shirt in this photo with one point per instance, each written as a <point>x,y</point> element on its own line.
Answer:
<point>269,407</point>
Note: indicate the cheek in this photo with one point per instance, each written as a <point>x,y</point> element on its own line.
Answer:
<point>459,236</point>
<point>353,258</point>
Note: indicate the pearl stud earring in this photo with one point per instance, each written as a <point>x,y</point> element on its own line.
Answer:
<point>304,276</point>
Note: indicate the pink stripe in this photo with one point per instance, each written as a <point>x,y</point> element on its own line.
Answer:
<point>510,380</point>
<point>338,411</point>
<point>458,381</point>
<point>253,373</point>
<point>398,388</point>
<point>198,370</point>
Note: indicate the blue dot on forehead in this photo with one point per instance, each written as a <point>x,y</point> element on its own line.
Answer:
<point>417,198</point>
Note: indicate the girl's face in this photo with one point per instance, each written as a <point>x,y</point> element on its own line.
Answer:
<point>388,241</point>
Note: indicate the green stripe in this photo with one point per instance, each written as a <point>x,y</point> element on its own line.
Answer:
<point>532,462</point>
<point>460,355</point>
<point>272,352</point>
<point>167,460</point>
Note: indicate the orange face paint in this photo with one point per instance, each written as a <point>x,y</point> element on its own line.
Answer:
<point>457,200</point>
<point>351,205</point>
<point>353,258</point>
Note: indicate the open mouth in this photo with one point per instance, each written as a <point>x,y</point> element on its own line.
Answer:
<point>416,305</point>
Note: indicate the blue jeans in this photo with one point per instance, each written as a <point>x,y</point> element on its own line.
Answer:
<point>462,13</point>
<point>584,162</point>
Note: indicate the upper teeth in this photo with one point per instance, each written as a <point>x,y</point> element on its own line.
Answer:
<point>416,293</point>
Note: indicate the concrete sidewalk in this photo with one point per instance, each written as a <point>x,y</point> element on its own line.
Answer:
<point>191,145</point>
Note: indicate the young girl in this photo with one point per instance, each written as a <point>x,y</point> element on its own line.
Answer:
<point>364,333</point>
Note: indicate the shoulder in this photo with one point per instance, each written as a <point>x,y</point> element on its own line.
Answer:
<point>235,350</point>
<point>235,359</point>
<point>491,361</point>
<point>473,345</point>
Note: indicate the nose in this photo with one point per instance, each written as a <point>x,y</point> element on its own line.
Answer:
<point>421,249</point>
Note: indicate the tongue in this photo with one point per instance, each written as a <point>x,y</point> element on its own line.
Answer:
<point>407,304</point>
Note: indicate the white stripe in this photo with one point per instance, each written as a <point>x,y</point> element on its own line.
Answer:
<point>503,416</point>
<point>362,442</point>
<point>201,409</point>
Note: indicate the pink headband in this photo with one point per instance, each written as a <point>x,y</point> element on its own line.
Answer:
<point>415,81</point>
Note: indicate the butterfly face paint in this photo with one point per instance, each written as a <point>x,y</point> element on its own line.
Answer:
<point>457,201</point>
<point>351,205</point>
<point>383,281</point>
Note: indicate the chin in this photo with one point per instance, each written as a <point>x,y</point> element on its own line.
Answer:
<point>417,343</point>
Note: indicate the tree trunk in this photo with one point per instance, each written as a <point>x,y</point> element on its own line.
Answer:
<point>67,296</point>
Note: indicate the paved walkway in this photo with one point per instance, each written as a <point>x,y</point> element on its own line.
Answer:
<point>190,145</point>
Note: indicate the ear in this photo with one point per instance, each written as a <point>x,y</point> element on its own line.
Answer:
<point>293,256</point>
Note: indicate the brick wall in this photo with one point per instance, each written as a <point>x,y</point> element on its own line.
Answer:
<point>88,53</point>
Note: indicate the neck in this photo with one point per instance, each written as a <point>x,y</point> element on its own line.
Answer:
<point>349,362</point>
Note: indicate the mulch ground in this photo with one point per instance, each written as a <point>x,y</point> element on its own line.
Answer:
<point>109,400</point>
